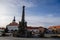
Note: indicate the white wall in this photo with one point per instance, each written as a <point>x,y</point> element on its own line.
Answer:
<point>12,27</point>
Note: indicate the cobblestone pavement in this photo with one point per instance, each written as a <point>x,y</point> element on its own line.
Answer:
<point>13,38</point>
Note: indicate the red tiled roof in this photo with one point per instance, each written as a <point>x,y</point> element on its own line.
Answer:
<point>13,24</point>
<point>32,27</point>
<point>29,27</point>
<point>54,27</point>
<point>2,28</point>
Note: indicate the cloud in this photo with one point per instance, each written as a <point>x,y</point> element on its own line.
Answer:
<point>45,21</point>
<point>10,8</point>
<point>35,21</point>
<point>13,6</point>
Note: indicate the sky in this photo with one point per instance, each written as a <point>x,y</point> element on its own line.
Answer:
<point>37,12</point>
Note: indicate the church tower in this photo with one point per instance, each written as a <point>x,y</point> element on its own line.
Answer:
<point>22,24</point>
<point>14,19</point>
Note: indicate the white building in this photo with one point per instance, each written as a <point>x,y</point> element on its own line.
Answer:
<point>12,26</point>
<point>36,30</point>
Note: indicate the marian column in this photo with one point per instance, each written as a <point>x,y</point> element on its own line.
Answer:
<point>23,14</point>
<point>22,24</point>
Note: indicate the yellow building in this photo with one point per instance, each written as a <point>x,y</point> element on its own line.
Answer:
<point>55,28</point>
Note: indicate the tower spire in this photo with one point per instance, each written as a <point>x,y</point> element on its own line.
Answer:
<point>23,14</point>
<point>14,19</point>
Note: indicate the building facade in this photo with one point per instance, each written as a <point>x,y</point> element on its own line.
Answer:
<point>55,29</point>
<point>13,26</point>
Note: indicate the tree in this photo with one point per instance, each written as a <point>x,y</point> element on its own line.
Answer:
<point>6,30</point>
